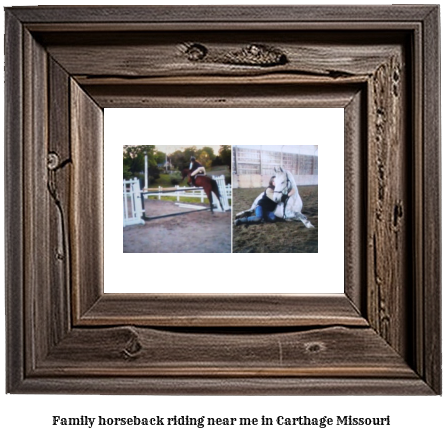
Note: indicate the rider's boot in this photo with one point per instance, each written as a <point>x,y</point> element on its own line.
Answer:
<point>243,220</point>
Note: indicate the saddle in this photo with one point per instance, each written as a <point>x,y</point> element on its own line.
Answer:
<point>200,173</point>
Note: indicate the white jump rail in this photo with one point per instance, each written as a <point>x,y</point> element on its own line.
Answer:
<point>195,192</point>
<point>132,203</point>
<point>184,192</point>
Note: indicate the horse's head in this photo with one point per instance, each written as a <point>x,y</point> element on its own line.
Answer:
<point>282,183</point>
<point>185,173</point>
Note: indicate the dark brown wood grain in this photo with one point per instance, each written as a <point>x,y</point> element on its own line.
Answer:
<point>36,203</point>
<point>355,182</point>
<point>129,351</point>
<point>167,385</point>
<point>226,15</point>
<point>64,65</point>
<point>59,169</point>
<point>225,96</point>
<point>430,319</point>
<point>388,203</point>
<point>236,310</point>
<point>86,195</point>
<point>14,243</point>
<point>160,54</point>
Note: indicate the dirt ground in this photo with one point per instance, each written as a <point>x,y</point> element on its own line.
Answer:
<point>280,236</point>
<point>196,232</point>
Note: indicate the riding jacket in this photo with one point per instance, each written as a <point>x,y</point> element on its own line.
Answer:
<point>195,165</point>
<point>196,169</point>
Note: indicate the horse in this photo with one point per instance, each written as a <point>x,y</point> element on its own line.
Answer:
<point>288,208</point>
<point>208,184</point>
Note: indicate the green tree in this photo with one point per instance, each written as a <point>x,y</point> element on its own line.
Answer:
<point>160,157</point>
<point>204,158</point>
<point>210,151</point>
<point>126,173</point>
<point>134,157</point>
<point>178,160</point>
<point>181,159</point>
<point>134,161</point>
<point>225,155</point>
<point>175,178</point>
<point>189,152</point>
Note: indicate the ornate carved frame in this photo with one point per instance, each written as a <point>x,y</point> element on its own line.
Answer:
<point>64,65</point>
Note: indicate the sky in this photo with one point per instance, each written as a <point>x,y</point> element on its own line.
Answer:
<point>170,149</point>
<point>300,149</point>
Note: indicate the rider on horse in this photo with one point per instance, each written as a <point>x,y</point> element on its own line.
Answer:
<point>196,169</point>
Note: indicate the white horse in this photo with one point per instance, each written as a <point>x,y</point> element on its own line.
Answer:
<point>288,208</point>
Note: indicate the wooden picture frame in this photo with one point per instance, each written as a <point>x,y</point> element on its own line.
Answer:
<point>65,64</point>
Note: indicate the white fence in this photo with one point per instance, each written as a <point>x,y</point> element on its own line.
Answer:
<point>162,192</point>
<point>132,203</point>
<point>223,190</point>
<point>132,198</point>
<point>200,194</point>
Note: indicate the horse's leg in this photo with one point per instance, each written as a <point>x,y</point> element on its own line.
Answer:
<point>217,193</point>
<point>293,211</point>
<point>296,216</point>
<point>208,192</point>
<point>302,218</point>
<point>219,201</point>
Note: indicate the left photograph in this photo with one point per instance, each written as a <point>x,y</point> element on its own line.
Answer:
<point>176,199</point>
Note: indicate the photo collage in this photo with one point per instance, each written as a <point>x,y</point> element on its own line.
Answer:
<point>220,199</point>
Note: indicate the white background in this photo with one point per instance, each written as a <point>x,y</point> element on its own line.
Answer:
<point>287,273</point>
<point>30,415</point>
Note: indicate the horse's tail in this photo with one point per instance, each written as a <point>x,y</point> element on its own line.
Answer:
<point>214,187</point>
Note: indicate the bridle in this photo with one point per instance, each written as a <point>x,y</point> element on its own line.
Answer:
<point>285,192</point>
<point>288,187</point>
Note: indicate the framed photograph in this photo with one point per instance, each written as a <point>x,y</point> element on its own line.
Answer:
<point>277,186</point>
<point>176,199</point>
<point>65,65</point>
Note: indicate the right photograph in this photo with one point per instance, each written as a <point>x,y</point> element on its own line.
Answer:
<point>275,198</point>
